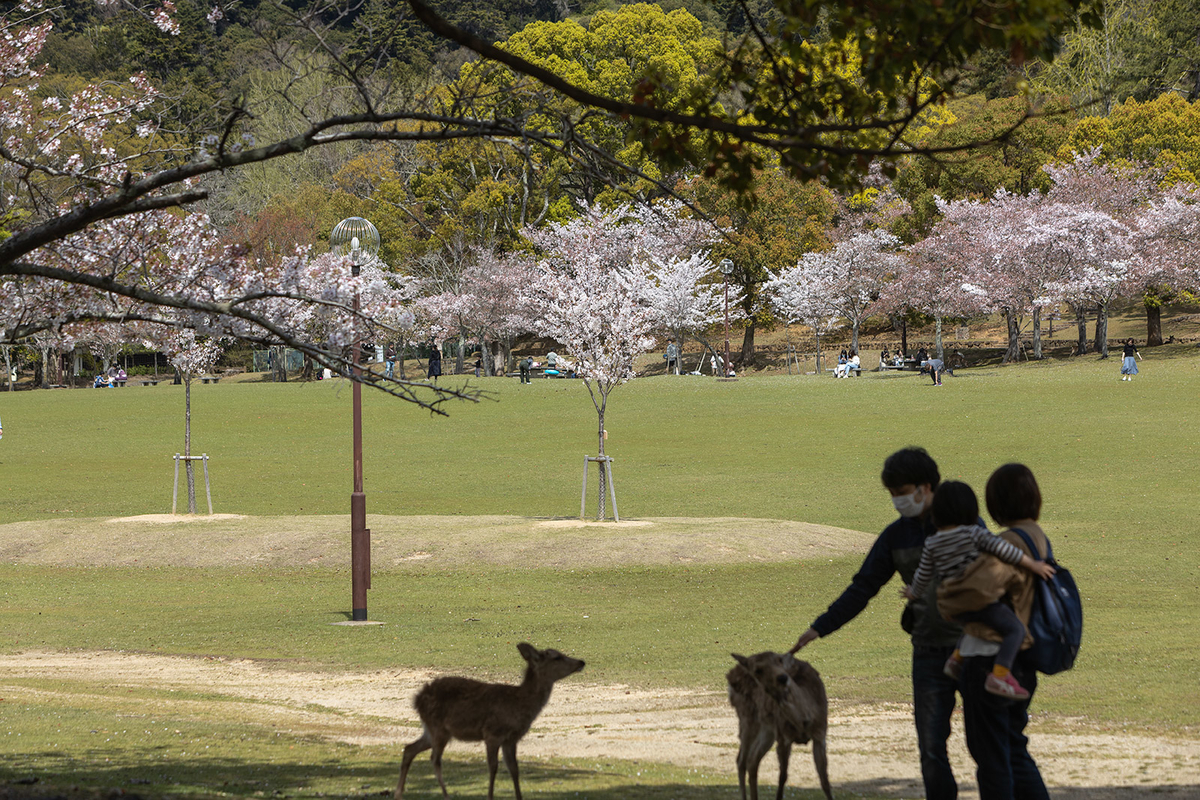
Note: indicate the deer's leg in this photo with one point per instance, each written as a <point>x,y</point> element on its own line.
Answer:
<point>757,747</point>
<point>438,746</point>
<point>741,767</point>
<point>411,751</point>
<point>819,758</point>
<point>510,761</point>
<point>784,750</point>
<point>493,749</point>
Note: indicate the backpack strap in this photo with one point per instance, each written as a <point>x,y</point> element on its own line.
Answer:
<point>1032,547</point>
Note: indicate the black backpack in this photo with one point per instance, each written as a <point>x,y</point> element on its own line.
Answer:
<point>1056,620</point>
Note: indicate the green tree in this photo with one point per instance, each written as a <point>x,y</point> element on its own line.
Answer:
<point>790,218</point>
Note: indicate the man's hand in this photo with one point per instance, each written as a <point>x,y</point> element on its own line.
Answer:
<point>804,639</point>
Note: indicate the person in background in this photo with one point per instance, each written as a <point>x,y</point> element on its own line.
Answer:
<point>389,360</point>
<point>936,367</point>
<point>526,365</point>
<point>1129,362</point>
<point>435,362</point>
<point>672,356</point>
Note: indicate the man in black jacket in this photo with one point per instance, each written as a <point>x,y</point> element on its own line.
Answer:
<point>910,476</point>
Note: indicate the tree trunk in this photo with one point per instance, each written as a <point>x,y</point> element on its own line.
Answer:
<point>937,336</point>
<point>1081,323</point>
<point>1102,330</point>
<point>45,370</point>
<point>187,443</point>
<point>403,348</point>
<point>8,368</point>
<point>1037,332</point>
<point>601,464</point>
<point>904,336</point>
<point>462,348</point>
<point>747,354</point>
<point>307,373</point>
<point>1014,345</point>
<point>1154,335</point>
<point>854,337</point>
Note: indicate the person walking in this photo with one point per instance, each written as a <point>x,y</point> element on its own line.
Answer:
<point>910,477</point>
<point>672,357</point>
<point>435,362</point>
<point>1129,362</point>
<point>995,726</point>
<point>389,358</point>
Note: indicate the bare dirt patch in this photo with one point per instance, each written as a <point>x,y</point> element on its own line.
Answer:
<point>431,541</point>
<point>174,518</point>
<point>687,728</point>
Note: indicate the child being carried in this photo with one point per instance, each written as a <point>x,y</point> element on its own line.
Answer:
<point>949,555</point>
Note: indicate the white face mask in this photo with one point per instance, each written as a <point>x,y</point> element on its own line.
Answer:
<point>908,505</point>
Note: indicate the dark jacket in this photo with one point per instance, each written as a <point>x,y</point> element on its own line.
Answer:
<point>898,549</point>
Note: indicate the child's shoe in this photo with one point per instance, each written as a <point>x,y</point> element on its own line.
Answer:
<point>953,667</point>
<point>1006,687</point>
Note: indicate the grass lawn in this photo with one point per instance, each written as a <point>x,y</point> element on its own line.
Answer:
<point>1117,463</point>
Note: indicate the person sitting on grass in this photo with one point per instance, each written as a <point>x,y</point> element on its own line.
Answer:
<point>973,584</point>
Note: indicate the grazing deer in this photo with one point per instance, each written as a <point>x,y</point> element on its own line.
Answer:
<point>779,699</point>
<point>499,714</point>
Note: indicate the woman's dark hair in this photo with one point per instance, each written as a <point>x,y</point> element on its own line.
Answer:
<point>954,503</point>
<point>910,465</point>
<point>1012,493</point>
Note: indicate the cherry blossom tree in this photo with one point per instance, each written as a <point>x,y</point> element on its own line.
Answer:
<point>1167,241</point>
<point>852,274</point>
<point>685,300</point>
<point>592,290</point>
<point>191,356</point>
<point>798,298</point>
<point>1121,193</point>
<point>934,282</point>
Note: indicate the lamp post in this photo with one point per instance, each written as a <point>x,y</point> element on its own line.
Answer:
<point>726,270</point>
<point>359,239</point>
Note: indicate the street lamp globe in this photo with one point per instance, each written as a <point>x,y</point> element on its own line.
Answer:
<point>726,267</point>
<point>355,237</point>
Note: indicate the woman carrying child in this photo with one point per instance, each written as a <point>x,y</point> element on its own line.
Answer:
<point>995,727</point>
<point>973,584</point>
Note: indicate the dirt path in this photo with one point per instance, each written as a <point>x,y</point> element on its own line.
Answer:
<point>872,743</point>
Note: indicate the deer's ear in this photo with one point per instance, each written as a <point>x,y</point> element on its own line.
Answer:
<point>528,651</point>
<point>741,660</point>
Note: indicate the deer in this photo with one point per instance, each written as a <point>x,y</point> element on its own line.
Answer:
<point>779,700</point>
<point>498,714</point>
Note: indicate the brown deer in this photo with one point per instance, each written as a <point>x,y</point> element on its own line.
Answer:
<point>498,714</point>
<point>779,700</point>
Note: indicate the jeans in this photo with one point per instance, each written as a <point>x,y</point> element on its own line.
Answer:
<point>390,372</point>
<point>933,703</point>
<point>995,729</point>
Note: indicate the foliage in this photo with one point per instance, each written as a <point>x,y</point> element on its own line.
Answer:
<point>788,219</point>
<point>1163,133</point>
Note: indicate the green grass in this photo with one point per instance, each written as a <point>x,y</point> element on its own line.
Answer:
<point>1117,463</point>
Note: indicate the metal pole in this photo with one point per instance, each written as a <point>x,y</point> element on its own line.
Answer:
<point>726,375</point>
<point>207,486</point>
<point>583,500</point>
<point>611,488</point>
<point>175,492</point>
<point>360,537</point>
